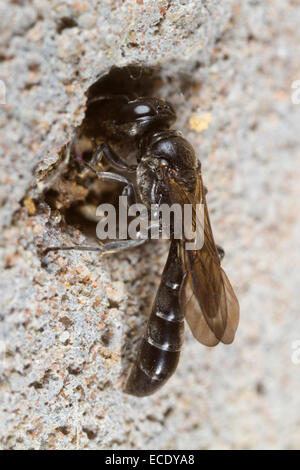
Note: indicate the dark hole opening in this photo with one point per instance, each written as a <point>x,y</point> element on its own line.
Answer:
<point>77,192</point>
<point>65,23</point>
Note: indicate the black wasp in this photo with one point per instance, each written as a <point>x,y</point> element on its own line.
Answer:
<point>193,285</point>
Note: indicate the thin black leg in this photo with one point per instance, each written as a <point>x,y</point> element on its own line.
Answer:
<point>110,247</point>
<point>106,248</point>
<point>128,191</point>
<point>112,157</point>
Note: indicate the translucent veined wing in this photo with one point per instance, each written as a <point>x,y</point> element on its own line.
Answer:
<point>210,330</point>
<point>207,298</point>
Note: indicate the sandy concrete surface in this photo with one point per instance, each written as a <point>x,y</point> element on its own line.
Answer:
<point>70,322</point>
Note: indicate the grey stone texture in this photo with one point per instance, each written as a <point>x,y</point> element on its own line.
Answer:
<point>70,322</point>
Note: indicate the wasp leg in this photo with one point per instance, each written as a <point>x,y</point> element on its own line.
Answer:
<point>121,245</point>
<point>107,248</point>
<point>110,247</point>
<point>112,157</point>
<point>128,190</point>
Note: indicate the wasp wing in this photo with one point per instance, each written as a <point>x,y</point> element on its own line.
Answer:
<point>207,298</point>
<point>209,329</point>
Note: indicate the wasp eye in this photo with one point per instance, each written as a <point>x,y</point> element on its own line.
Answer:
<point>142,110</point>
<point>132,111</point>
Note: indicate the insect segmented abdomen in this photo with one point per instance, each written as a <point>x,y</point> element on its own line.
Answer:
<point>160,349</point>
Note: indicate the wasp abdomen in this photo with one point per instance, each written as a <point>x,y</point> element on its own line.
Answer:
<point>160,349</point>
